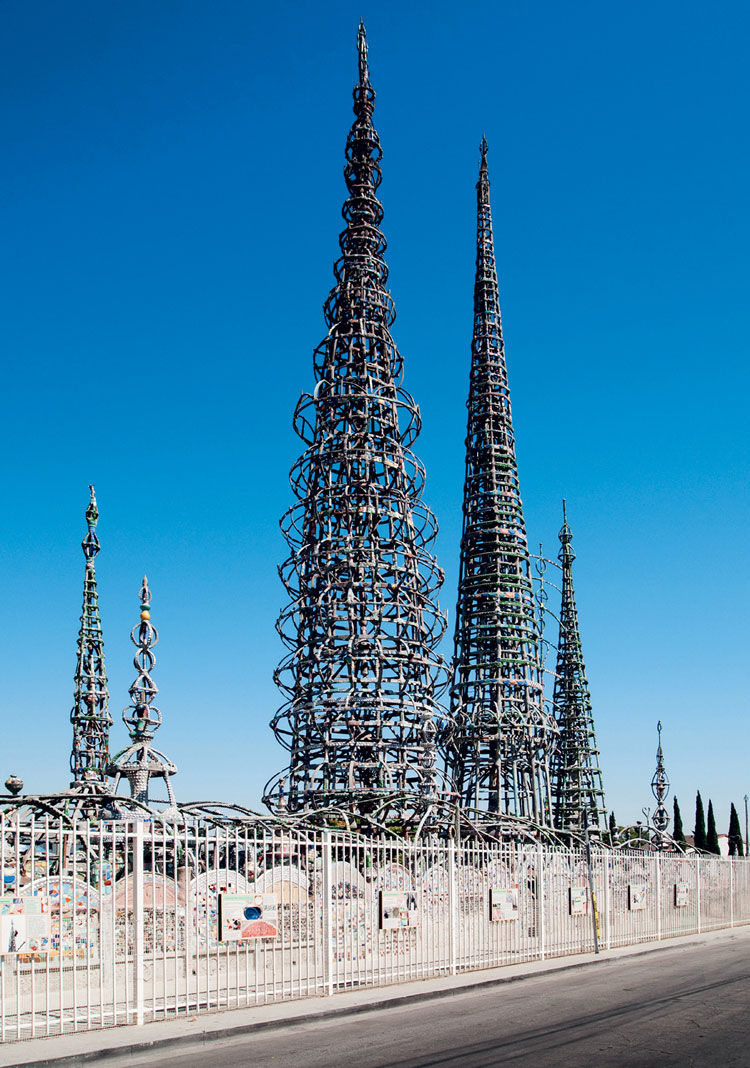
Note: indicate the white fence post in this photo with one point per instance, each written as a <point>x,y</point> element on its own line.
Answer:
<point>327,907</point>
<point>607,864</point>
<point>540,904</point>
<point>731,891</point>
<point>658,897</point>
<point>138,910</point>
<point>452,905</point>
<point>698,887</point>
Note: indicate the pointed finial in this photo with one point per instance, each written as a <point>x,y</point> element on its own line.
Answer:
<point>364,73</point>
<point>145,600</point>
<point>92,512</point>
<point>483,169</point>
<point>90,543</point>
<point>566,535</point>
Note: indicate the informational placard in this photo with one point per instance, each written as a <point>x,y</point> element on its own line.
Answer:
<point>637,897</point>
<point>398,908</point>
<point>681,895</point>
<point>503,903</point>
<point>24,926</point>
<point>246,916</point>
<point>578,900</point>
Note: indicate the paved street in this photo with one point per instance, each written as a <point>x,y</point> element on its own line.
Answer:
<point>688,1006</point>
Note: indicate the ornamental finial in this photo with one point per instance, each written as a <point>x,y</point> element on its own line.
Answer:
<point>90,543</point>
<point>566,537</point>
<point>364,73</point>
<point>484,172</point>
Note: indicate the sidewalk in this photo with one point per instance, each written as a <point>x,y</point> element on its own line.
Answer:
<point>123,1044</point>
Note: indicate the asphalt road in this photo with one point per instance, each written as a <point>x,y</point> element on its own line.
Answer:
<point>687,1006</point>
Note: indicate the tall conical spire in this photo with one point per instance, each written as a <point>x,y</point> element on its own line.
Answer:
<point>141,762</point>
<point>577,793</point>
<point>90,716</point>
<point>361,717</point>
<point>498,759</point>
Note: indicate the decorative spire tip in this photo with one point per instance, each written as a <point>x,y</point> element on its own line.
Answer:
<point>364,73</point>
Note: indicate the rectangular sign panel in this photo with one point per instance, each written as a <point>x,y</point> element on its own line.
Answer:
<point>503,903</point>
<point>637,897</point>
<point>24,927</point>
<point>578,897</point>
<point>246,916</point>
<point>398,908</point>
<point>681,895</point>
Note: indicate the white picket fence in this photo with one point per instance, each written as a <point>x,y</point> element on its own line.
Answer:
<point>103,924</point>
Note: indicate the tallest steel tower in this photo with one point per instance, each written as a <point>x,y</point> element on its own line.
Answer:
<point>361,678</point>
<point>499,756</point>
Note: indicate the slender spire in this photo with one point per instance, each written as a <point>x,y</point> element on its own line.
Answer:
<point>90,715</point>
<point>361,718</point>
<point>140,761</point>
<point>578,796</point>
<point>498,758</point>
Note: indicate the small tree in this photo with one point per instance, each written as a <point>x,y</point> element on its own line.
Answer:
<point>734,837</point>
<point>612,828</point>
<point>712,838</point>
<point>677,833</point>
<point>699,834</point>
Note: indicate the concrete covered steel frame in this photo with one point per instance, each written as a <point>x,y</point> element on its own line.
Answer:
<point>127,914</point>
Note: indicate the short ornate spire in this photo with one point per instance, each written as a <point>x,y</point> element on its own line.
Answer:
<point>143,718</point>
<point>140,762</point>
<point>577,793</point>
<point>361,717</point>
<point>660,787</point>
<point>90,715</point>
<point>498,758</point>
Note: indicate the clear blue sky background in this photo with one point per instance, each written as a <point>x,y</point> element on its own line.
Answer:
<point>170,211</point>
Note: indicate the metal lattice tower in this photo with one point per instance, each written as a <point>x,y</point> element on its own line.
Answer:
<point>362,678</point>
<point>90,715</point>
<point>140,762</point>
<point>577,793</point>
<point>498,759</point>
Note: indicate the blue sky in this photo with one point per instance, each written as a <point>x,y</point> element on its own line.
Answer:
<point>171,206</point>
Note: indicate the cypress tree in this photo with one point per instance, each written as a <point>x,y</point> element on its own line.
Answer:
<point>734,837</point>
<point>612,828</point>
<point>712,838</point>
<point>699,834</point>
<point>677,833</point>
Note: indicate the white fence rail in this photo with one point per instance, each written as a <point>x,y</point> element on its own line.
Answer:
<point>103,924</point>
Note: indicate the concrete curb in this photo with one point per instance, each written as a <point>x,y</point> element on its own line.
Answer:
<point>206,1037</point>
